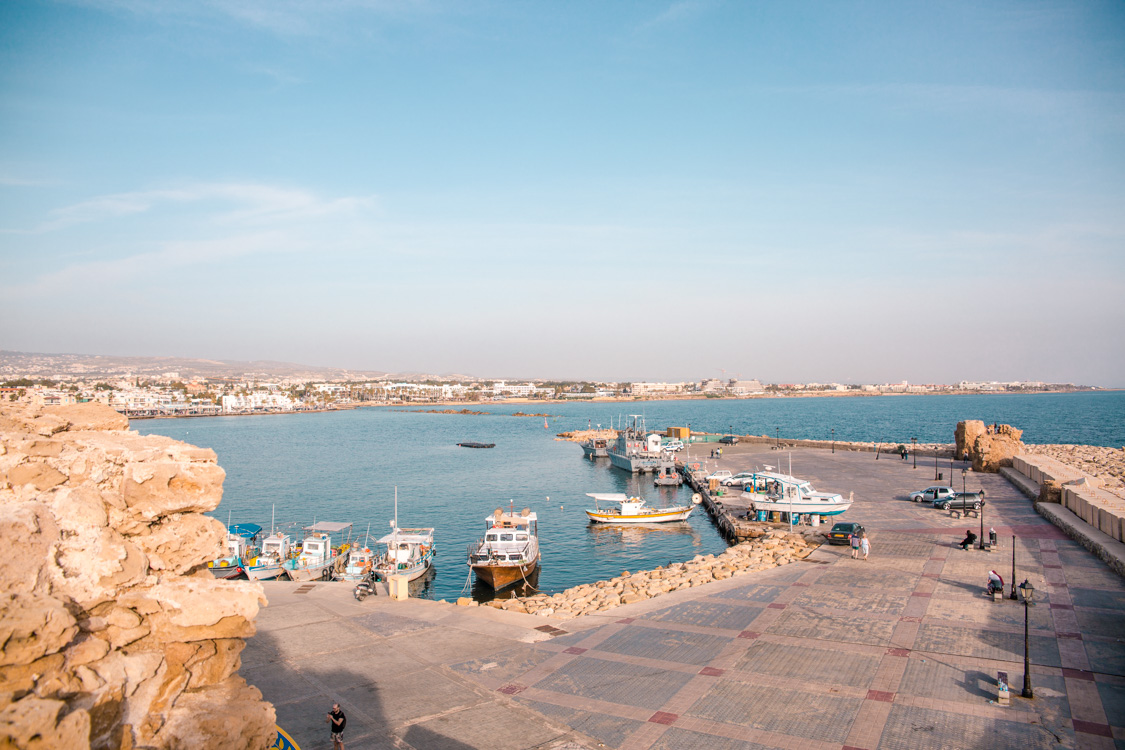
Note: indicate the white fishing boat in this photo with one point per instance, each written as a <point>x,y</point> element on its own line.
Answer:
<point>317,556</point>
<point>633,510</point>
<point>355,564</point>
<point>407,552</point>
<point>509,551</point>
<point>771,491</point>
<point>276,549</point>
<point>240,545</point>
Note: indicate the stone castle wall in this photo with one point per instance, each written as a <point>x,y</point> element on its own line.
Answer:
<point>113,632</point>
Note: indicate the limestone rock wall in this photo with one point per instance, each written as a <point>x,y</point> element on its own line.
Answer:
<point>113,632</point>
<point>988,450</point>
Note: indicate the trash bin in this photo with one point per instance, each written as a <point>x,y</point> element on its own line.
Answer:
<point>940,475</point>
<point>762,515</point>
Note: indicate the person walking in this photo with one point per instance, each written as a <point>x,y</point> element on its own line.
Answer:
<point>855,542</point>
<point>336,723</point>
<point>864,544</point>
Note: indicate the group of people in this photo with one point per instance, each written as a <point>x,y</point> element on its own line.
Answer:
<point>860,544</point>
<point>992,429</point>
<point>716,453</point>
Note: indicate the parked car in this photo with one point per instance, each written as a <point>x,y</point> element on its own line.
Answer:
<point>721,474</point>
<point>673,445</point>
<point>930,494</point>
<point>961,501</point>
<point>728,439</point>
<point>742,478</point>
<point>842,532</point>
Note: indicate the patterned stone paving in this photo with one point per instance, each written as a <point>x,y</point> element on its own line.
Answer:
<point>899,652</point>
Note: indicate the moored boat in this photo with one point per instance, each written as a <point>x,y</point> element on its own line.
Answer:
<point>771,491</point>
<point>317,556</point>
<point>635,450</point>
<point>509,551</point>
<point>667,476</point>
<point>597,447</point>
<point>276,549</point>
<point>633,510</point>
<point>240,545</point>
<point>407,552</point>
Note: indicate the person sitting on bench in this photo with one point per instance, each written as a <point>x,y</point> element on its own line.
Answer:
<point>995,582</point>
<point>969,540</point>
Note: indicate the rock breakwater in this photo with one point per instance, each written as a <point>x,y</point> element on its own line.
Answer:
<point>113,632</point>
<point>1107,464</point>
<point>769,549</point>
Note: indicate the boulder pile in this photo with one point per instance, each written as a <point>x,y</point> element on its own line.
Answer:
<point>988,450</point>
<point>771,548</point>
<point>1106,464</point>
<point>113,632</point>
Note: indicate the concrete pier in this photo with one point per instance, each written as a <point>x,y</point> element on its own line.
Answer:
<point>899,651</point>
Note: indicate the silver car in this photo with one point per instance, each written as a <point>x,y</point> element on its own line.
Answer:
<point>932,494</point>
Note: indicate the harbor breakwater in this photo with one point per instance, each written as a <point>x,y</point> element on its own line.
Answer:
<point>766,548</point>
<point>113,632</point>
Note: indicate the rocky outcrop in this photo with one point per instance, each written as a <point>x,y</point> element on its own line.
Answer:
<point>988,449</point>
<point>769,549</point>
<point>113,632</point>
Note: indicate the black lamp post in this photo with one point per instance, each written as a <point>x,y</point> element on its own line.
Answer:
<point>980,539</point>
<point>833,439</point>
<point>965,472</point>
<point>914,445</point>
<point>935,467</point>
<point>777,436</point>
<point>1013,597</point>
<point>1028,595</point>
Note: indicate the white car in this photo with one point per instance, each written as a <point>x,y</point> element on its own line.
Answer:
<point>721,474</point>
<point>672,446</point>
<point>741,478</point>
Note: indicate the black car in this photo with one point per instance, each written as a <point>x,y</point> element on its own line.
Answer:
<point>842,532</point>
<point>961,501</point>
<point>728,439</point>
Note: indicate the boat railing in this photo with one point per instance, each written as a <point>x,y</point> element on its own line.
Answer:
<point>474,551</point>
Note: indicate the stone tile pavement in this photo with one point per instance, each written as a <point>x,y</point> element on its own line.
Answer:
<point>900,651</point>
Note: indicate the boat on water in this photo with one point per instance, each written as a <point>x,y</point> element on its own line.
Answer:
<point>407,552</point>
<point>667,476</point>
<point>240,545</point>
<point>635,450</point>
<point>355,563</point>
<point>595,447</point>
<point>470,444</point>
<point>509,551</point>
<point>633,510</point>
<point>317,555</point>
<point>772,491</point>
<point>276,549</point>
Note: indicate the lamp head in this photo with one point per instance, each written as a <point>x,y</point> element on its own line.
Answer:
<point>1028,591</point>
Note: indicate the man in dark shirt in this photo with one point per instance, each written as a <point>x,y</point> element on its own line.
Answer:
<point>336,723</point>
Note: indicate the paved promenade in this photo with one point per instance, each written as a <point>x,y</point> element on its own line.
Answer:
<point>898,652</point>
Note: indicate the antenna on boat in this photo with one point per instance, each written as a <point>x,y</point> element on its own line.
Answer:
<point>790,464</point>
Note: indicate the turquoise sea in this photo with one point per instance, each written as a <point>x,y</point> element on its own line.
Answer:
<point>344,466</point>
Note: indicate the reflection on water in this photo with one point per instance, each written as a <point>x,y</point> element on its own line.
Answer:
<point>638,534</point>
<point>482,592</point>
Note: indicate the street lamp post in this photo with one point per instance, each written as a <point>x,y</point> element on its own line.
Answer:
<point>833,439</point>
<point>777,437</point>
<point>1028,595</point>
<point>980,539</point>
<point>1013,597</point>
<point>964,473</point>
<point>914,445</point>
<point>936,475</point>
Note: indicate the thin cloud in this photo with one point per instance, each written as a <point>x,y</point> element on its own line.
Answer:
<point>676,13</point>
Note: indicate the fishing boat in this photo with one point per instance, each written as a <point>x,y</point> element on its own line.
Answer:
<point>355,563</point>
<point>276,549</point>
<point>407,552</point>
<point>772,491</point>
<point>509,551</point>
<point>317,556</point>
<point>241,538</point>
<point>633,510</point>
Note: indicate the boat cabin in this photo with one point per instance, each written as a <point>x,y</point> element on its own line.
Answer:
<point>316,547</point>
<point>277,544</point>
<point>508,537</point>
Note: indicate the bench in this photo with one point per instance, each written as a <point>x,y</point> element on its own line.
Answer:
<point>1002,693</point>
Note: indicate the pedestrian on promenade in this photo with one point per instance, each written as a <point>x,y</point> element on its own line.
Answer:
<point>855,542</point>
<point>864,543</point>
<point>336,723</point>
<point>969,540</point>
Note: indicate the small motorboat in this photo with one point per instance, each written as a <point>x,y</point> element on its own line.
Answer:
<point>470,444</point>
<point>509,551</point>
<point>633,510</point>
<point>240,544</point>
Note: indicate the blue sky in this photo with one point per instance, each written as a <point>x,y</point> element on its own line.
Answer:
<point>820,191</point>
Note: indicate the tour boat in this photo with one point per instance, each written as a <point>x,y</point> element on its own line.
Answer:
<point>633,510</point>
<point>239,546</point>
<point>267,565</point>
<point>317,556</point>
<point>771,491</point>
<point>509,551</point>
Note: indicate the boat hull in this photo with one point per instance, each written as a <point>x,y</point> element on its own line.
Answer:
<point>308,572</point>
<point>412,573</point>
<point>802,508</point>
<point>663,516</point>
<point>502,576</point>
<point>263,572</point>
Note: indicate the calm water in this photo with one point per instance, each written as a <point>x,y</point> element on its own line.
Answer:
<point>344,466</point>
